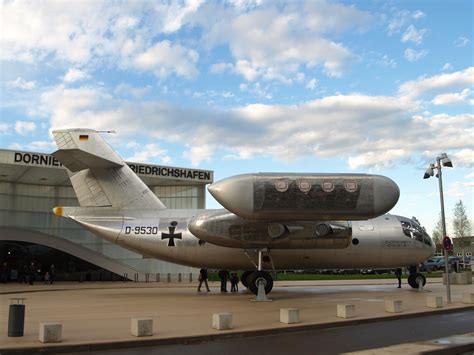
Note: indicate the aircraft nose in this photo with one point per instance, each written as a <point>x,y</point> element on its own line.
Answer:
<point>386,194</point>
<point>234,193</point>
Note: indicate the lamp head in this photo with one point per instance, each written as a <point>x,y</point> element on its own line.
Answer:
<point>429,172</point>
<point>445,160</point>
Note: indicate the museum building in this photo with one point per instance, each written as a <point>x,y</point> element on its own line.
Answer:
<point>32,184</point>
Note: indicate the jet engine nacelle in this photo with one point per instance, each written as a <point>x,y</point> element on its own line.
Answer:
<point>274,196</point>
<point>228,230</point>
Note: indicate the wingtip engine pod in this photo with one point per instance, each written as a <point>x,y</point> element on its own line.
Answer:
<point>270,196</point>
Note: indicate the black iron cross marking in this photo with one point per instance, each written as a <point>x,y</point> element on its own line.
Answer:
<point>171,236</point>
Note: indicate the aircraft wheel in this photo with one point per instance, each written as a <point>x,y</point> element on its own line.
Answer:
<point>415,279</point>
<point>245,277</point>
<point>258,276</point>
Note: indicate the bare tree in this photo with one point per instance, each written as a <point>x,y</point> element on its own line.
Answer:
<point>461,224</point>
<point>438,234</point>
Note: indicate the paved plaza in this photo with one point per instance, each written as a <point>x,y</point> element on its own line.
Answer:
<point>100,313</point>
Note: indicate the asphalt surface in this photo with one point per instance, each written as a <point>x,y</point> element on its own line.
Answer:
<point>325,341</point>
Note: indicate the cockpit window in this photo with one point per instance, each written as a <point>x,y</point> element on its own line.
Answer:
<point>419,232</point>
<point>414,230</point>
<point>406,226</point>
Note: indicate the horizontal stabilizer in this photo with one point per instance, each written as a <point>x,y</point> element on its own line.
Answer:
<point>99,176</point>
<point>81,149</point>
<point>77,160</point>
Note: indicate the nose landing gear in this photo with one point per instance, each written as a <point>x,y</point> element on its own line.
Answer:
<point>415,279</point>
<point>252,279</point>
<point>257,277</point>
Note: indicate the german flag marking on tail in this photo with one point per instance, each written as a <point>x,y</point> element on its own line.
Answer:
<point>84,137</point>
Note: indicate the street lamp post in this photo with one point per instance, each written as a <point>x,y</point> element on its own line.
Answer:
<point>441,161</point>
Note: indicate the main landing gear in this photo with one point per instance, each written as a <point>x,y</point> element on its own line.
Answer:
<point>252,279</point>
<point>415,279</point>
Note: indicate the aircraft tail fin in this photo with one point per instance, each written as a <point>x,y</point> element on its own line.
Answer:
<point>99,175</point>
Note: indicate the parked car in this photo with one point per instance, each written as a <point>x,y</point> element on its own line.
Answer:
<point>433,264</point>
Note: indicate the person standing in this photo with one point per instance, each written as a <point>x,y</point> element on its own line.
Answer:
<point>223,275</point>
<point>234,282</point>
<point>32,273</point>
<point>4,273</point>
<point>23,274</point>
<point>398,274</point>
<point>203,278</point>
<point>51,274</point>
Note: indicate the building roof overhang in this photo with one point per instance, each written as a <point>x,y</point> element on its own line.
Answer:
<point>43,169</point>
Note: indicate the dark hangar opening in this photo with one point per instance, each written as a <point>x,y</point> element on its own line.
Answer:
<point>16,258</point>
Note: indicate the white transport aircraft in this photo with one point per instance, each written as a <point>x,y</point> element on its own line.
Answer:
<point>271,221</point>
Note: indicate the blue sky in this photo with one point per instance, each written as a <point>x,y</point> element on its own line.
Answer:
<point>245,86</point>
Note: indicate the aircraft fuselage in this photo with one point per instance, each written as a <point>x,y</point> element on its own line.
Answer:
<point>380,242</point>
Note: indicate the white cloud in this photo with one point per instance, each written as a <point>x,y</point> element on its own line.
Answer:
<point>256,89</point>
<point>463,157</point>
<point>200,153</point>
<point>413,35</point>
<point>401,18</point>
<point>4,127</point>
<point>386,61</point>
<point>149,153</point>
<point>413,55</point>
<point>311,85</point>
<point>137,92</point>
<point>164,58</point>
<point>78,107</point>
<point>23,127</point>
<point>245,5</point>
<point>418,14</point>
<point>74,74</point>
<point>452,98</point>
<point>87,33</point>
<point>377,160</point>
<point>219,68</point>
<point>458,190</point>
<point>176,14</point>
<point>42,146</point>
<point>426,85</point>
<point>21,83</point>
<point>358,128</point>
<point>269,42</point>
<point>461,41</point>
<point>35,146</point>
<point>447,67</point>
<point>31,31</point>
<point>274,42</point>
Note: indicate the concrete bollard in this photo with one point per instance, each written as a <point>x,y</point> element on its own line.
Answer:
<point>468,298</point>
<point>142,327</point>
<point>222,321</point>
<point>469,277</point>
<point>50,332</point>
<point>393,306</point>
<point>433,301</point>
<point>461,278</point>
<point>289,315</point>
<point>346,310</point>
<point>452,278</point>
